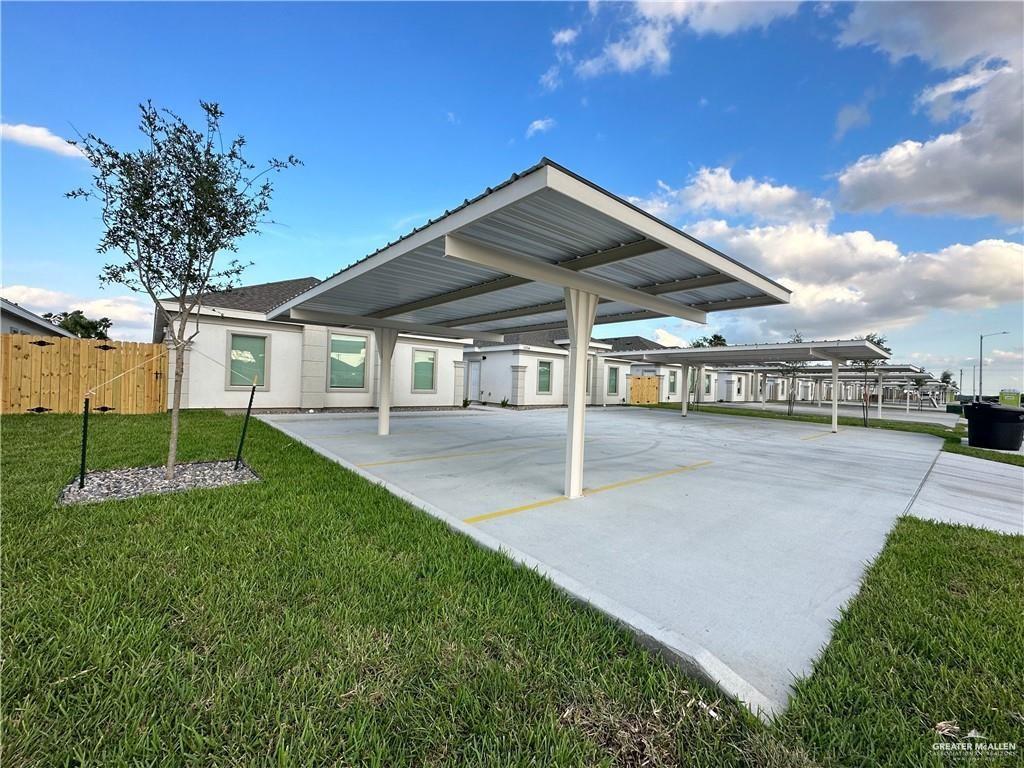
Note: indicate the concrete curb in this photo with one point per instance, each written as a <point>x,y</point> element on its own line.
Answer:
<point>690,656</point>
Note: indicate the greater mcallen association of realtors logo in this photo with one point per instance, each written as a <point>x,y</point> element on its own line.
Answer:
<point>976,748</point>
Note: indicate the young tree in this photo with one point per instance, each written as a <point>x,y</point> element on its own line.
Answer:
<point>77,323</point>
<point>714,340</point>
<point>879,341</point>
<point>790,371</point>
<point>171,210</point>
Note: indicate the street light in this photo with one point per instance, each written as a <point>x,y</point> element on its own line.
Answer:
<point>981,356</point>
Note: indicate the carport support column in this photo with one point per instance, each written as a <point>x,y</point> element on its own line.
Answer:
<point>385,338</point>
<point>764,389</point>
<point>685,389</point>
<point>835,395</point>
<point>881,378</point>
<point>581,308</point>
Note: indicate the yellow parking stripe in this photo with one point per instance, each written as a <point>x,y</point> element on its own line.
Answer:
<point>644,478</point>
<point>586,492</point>
<point>817,436</point>
<point>513,510</point>
<point>439,456</point>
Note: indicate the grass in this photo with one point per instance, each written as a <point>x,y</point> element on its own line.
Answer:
<point>313,618</point>
<point>935,636</point>
<point>951,436</point>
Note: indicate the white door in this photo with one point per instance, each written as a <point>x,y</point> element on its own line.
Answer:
<point>473,388</point>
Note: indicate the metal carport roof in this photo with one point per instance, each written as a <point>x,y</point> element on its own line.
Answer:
<point>762,354</point>
<point>439,274</point>
<point>545,249</point>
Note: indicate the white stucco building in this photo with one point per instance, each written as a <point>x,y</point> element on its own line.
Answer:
<point>304,366</point>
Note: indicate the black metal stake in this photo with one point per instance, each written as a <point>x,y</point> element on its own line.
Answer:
<point>245,426</point>
<point>85,440</point>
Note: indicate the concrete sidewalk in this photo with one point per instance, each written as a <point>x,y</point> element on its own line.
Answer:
<point>967,491</point>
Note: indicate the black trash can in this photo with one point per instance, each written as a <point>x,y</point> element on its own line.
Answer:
<point>994,426</point>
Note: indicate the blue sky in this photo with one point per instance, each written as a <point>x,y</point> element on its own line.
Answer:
<point>876,172</point>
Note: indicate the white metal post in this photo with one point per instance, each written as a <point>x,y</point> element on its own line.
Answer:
<point>835,395</point>
<point>580,308</point>
<point>385,338</point>
<point>880,378</point>
<point>764,389</point>
<point>685,390</point>
<point>908,398</point>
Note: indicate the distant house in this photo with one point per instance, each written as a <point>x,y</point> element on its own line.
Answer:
<point>302,365</point>
<point>15,319</point>
<point>531,369</point>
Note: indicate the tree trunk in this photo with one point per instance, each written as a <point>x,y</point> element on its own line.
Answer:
<point>179,374</point>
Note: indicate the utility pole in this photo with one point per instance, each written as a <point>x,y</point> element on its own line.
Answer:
<point>981,356</point>
<point>961,381</point>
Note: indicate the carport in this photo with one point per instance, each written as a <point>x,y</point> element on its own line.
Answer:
<point>793,353</point>
<point>545,249</point>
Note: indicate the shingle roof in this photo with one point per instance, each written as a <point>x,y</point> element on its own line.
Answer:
<point>530,338</point>
<point>261,297</point>
<point>631,344</point>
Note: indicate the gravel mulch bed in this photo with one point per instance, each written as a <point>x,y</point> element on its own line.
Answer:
<point>145,481</point>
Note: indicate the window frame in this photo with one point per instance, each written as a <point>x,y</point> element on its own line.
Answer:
<point>551,377</point>
<point>267,339</point>
<point>609,379</point>
<point>672,385</point>
<point>366,365</point>
<point>412,371</point>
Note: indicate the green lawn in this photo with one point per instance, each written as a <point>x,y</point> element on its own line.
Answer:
<point>951,437</point>
<point>312,618</point>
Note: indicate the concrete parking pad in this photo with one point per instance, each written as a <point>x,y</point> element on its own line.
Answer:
<point>730,541</point>
<point>968,491</point>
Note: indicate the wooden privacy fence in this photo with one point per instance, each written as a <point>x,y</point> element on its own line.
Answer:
<point>41,374</point>
<point>643,390</point>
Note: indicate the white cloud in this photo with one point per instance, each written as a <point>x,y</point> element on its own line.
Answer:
<point>946,35</point>
<point>667,339</point>
<point>852,116</point>
<point>550,80</point>
<point>565,36</point>
<point>974,170</point>
<point>39,137</point>
<point>452,118</point>
<point>945,99</point>
<point>844,283</point>
<point>132,314</point>
<point>542,125</point>
<point>848,283</point>
<point>1007,356</point>
<point>715,190</point>
<point>646,42</point>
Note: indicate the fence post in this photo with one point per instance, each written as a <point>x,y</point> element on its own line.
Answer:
<point>85,440</point>
<point>245,426</point>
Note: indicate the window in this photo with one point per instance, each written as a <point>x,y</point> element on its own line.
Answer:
<point>247,360</point>
<point>613,380</point>
<point>348,362</point>
<point>707,383</point>
<point>671,382</point>
<point>544,377</point>
<point>588,375</point>
<point>739,386</point>
<point>424,365</point>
